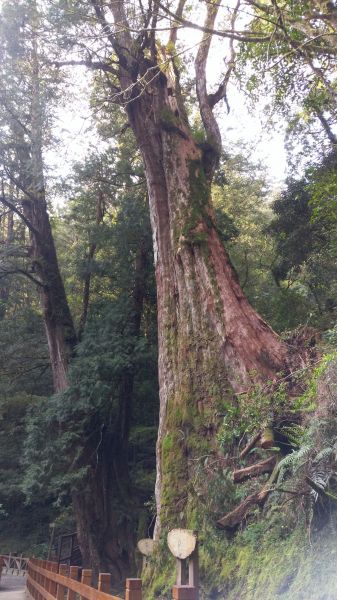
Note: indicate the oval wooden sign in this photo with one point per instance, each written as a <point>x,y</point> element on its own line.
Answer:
<point>181,542</point>
<point>146,546</point>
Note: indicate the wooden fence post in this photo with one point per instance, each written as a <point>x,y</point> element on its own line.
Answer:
<point>184,592</point>
<point>48,582</point>
<point>44,580</point>
<point>104,582</point>
<point>61,589</point>
<point>193,571</point>
<point>86,579</point>
<point>73,574</point>
<point>39,579</point>
<point>133,590</point>
<point>53,585</point>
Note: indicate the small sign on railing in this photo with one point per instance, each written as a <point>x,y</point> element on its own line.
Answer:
<point>183,544</point>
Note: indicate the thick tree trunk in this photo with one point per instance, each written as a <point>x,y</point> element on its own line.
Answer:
<point>212,344</point>
<point>107,509</point>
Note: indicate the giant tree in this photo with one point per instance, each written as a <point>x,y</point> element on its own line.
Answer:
<point>212,344</point>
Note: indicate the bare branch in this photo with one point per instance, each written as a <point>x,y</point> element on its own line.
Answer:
<point>210,124</point>
<point>241,36</point>
<point>17,271</point>
<point>95,65</point>
<point>325,124</point>
<point>180,10</point>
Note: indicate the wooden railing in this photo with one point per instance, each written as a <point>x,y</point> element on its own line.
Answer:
<point>45,581</point>
<point>17,565</point>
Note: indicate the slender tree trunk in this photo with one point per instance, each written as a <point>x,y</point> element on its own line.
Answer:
<point>56,314</point>
<point>212,344</point>
<point>90,257</point>
<point>60,331</point>
<point>8,229</point>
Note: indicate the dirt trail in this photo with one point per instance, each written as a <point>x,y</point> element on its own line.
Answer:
<point>12,587</point>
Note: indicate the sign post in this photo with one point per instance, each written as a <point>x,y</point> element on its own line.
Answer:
<point>146,548</point>
<point>183,544</point>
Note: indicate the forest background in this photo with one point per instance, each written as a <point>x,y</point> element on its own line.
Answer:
<point>78,299</point>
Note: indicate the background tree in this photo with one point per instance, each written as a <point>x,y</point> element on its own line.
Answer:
<point>105,423</point>
<point>26,100</point>
<point>293,70</point>
<point>304,228</point>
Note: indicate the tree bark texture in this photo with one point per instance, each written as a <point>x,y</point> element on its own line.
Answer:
<point>56,314</point>
<point>87,278</point>
<point>7,225</point>
<point>211,342</point>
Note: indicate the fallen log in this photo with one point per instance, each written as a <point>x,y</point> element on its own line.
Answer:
<point>250,445</point>
<point>236,516</point>
<point>265,466</point>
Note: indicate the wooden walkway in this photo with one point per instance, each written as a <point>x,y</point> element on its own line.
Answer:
<point>12,587</point>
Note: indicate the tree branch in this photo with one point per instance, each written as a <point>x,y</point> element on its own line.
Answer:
<point>251,444</point>
<point>265,466</point>
<point>22,272</point>
<point>325,124</point>
<point>210,124</point>
<point>221,92</point>
<point>95,65</point>
<point>244,36</point>
<point>15,210</point>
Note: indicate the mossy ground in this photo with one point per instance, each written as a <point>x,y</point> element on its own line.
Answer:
<point>258,563</point>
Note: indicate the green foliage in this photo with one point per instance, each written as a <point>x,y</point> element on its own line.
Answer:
<point>305,248</point>
<point>331,336</point>
<point>253,410</point>
<point>273,71</point>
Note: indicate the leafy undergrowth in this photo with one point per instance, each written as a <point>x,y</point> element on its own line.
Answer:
<point>287,551</point>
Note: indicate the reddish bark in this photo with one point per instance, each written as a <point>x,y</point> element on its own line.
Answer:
<point>58,321</point>
<point>211,341</point>
<point>212,344</point>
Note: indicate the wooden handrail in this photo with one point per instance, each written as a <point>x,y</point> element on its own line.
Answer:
<point>44,583</point>
<point>16,564</point>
